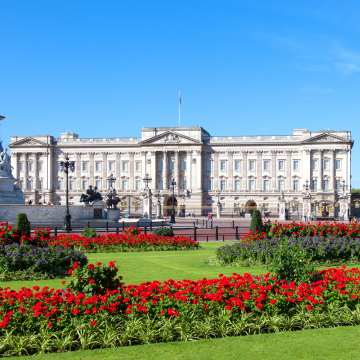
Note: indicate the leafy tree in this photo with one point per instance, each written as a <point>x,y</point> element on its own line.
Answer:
<point>22,224</point>
<point>355,191</point>
<point>256,222</point>
<point>163,231</point>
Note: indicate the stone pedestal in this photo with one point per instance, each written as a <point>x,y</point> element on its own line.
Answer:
<point>344,207</point>
<point>218,210</point>
<point>147,201</point>
<point>306,208</point>
<point>112,214</point>
<point>158,209</point>
<point>282,211</point>
<point>9,193</point>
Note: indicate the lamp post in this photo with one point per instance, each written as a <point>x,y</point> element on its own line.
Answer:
<point>111,180</point>
<point>44,193</point>
<point>343,186</point>
<point>147,179</point>
<point>172,184</point>
<point>66,166</point>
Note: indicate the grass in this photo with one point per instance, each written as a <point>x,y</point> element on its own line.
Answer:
<point>137,267</point>
<point>334,344</point>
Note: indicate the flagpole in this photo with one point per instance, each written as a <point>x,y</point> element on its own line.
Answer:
<point>179,107</point>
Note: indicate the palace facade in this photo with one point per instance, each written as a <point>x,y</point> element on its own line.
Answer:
<point>240,172</point>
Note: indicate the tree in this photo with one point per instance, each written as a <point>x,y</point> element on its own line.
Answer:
<point>22,224</point>
<point>256,222</point>
<point>355,191</point>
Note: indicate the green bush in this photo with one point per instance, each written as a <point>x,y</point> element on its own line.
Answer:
<point>291,264</point>
<point>256,222</point>
<point>89,232</point>
<point>163,231</point>
<point>22,224</point>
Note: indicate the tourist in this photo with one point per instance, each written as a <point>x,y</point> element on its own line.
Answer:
<point>30,202</point>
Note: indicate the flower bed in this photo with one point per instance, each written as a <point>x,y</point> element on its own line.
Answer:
<point>302,229</point>
<point>23,261</point>
<point>57,320</point>
<point>125,242</point>
<point>330,250</point>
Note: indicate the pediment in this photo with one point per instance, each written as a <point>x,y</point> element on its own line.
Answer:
<point>325,138</point>
<point>170,137</point>
<point>28,141</point>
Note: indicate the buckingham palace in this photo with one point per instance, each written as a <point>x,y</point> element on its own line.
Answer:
<point>237,172</point>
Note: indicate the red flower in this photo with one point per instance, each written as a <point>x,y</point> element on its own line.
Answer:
<point>308,307</point>
<point>273,302</point>
<point>221,275</point>
<point>63,282</point>
<point>75,311</point>
<point>228,307</point>
<point>91,281</point>
<point>93,323</point>
<point>49,325</point>
<point>128,311</point>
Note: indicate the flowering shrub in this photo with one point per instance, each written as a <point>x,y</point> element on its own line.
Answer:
<point>306,229</point>
<point>174,310</point>
<point>328,250</point>
<point>91,280</point>
<point>24,257</point>
<point>9,234</point>
<point>41,234</point>
<point>124,242</point>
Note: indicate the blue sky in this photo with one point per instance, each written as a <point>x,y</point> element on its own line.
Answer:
<point>108,68</point>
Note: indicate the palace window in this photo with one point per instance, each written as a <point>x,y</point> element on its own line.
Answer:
<point>98,184</point>
<point>208,166</point>
<point>21,184</point>
<point>84,185</point>
<point>296,185</point>
<point>237,165</point>
<point>314,164</point>
<point>31,166</point>
<point>223,185</point>
<point>41,184</point>
<point>326,164</point>
<point>59,185</point>
<point>161,185</point>
<point>281,184</point>
<point>41,166</point>
<point>326,184</point>
<point>251,184</point>
<point>337,164</point>
<point>85,166</point>
<point>111,166</point>
<point>31,184</point>
<point>222,165</point>
<point>138,166</point>
<point>72,187</point>
<point>266,184</point>
<point>124,185</point>
<point>337,185</point>
<point>98,166</point>
<point>138,184</point>
<point>21,166</point>
<point>237,184</point>
<point>184,184</point>
<point>161,166</point>
<point>296,165</point>
<point>125,166</point>
<point>281,165</point>
<point>184,165</point>
<point>314,185</point>
<point>172,165</point>
<point>208,185</point>
<point>266,165</point>
<point>252,165</point>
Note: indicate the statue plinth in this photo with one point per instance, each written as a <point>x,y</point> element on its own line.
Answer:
<point>9,192</point>
<point>112,214</point>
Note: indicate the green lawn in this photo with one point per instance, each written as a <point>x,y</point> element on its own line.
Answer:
<point>334,343</point>
<point>322,344</point>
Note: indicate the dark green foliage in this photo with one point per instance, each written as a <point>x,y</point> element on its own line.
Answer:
<point>291,264</point>
<point>163,231</point>
<point>22,224</point>
<point>89,232</point>
<point>256,222</point>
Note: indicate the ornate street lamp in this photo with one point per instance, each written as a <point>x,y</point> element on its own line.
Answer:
<point>147,179</point>
<point>172,186</point>
<point>66,166</point>
<point>158,197</point>
<point>306,186</point>
<point>44,193</point>
<point>111,180</point>
<point>344,186</point>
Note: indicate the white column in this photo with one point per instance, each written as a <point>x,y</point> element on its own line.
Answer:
<point>288,185</point>
<point>143,164</point>
<point>15,161</point>
<point>131,171</point>
<point>118,170</point>
<point>176,171</point>
<point>26,165</point>
<point>244,167</point>
<point>216,170</point>
<point>153,184</point>
<point>273,170</point>
<point>188,168</point>
<point>320,170</point>
<point>258,170</point>
<point>306,168</point>
<point>165,171</point>
<point>78,170</point>
<point>332,170</point>
<point>198,169</point>
<point>91,168</point>
<point>104,170</point>
<point>36,171</point>
<point>230,183</point>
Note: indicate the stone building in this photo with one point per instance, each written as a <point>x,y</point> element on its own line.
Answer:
<point>241,172</point>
